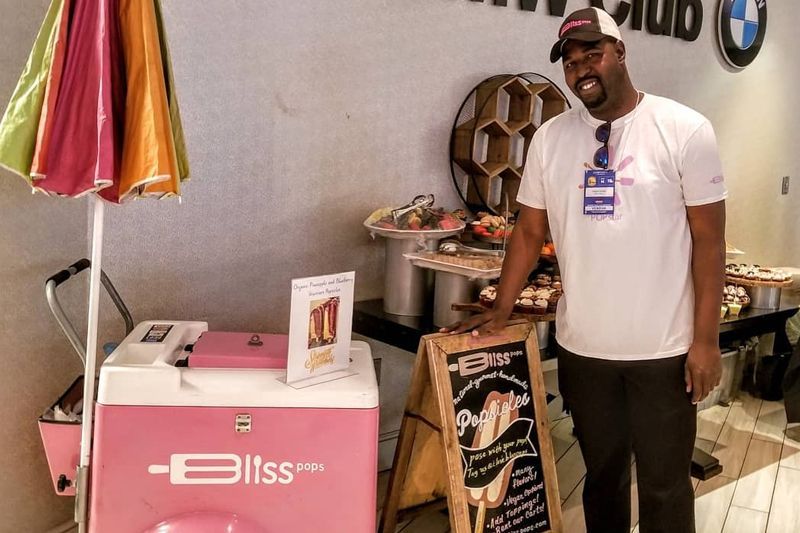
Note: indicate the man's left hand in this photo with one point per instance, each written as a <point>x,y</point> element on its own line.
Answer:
<point>703,371</point>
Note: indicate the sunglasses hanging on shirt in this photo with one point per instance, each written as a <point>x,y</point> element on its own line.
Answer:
<point>602,134</point>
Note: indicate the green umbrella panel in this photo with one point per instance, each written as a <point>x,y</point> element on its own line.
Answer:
<point>20,124</point>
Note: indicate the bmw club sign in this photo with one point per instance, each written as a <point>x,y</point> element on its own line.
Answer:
<point>742,25</point>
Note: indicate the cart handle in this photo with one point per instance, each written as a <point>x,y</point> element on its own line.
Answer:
<point>58,311</point>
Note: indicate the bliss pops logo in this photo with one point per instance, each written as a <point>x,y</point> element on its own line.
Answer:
<point>229,469</point>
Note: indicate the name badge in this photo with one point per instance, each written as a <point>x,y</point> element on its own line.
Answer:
<point>598,192</point>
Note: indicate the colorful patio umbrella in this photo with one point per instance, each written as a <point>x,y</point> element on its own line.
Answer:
<point>96,108</point>
<point>95,111</point>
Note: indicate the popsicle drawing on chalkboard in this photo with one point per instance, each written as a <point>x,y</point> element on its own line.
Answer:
<point>492,495</point>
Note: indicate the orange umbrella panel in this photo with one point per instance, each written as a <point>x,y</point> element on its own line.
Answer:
<point>149,160</point>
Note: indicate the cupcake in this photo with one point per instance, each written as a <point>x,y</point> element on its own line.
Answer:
<point>524,306</point>
<point>527,292</point>
<point>539,307</point>
<point>488,296</point>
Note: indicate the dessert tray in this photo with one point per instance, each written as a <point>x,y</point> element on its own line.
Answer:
<point>757,283</point>
<point>757,276</point>
<point>471,265</point>
<point>477,307</point>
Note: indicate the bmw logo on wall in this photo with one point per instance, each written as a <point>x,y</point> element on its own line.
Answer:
<point>742,25</point>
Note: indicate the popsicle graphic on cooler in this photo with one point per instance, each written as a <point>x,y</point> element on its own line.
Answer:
<point>201,469</point>
<point>493,494</point>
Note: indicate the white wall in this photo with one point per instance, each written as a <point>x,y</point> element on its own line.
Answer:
<point>303,116</point>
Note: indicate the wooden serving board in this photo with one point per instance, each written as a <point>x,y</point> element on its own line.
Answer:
<point>757,283</point>
<point>479,308</point>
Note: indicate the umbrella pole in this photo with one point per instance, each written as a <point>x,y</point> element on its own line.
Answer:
<point>82,489</point>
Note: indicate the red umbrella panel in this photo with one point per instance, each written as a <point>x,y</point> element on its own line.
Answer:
<point>85,144</point>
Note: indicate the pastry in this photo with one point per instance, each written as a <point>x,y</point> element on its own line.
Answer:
<point>488,296</point>
<point>733,294</point>
<point>539,307</point>
<point>524,306</point>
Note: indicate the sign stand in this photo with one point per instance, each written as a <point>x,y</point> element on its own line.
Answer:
<point>320,327</point>
<point>475,432</point>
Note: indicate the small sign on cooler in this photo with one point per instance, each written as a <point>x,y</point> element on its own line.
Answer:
<point>320,328</point>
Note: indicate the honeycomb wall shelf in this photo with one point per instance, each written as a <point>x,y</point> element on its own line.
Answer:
<point>493,132</point>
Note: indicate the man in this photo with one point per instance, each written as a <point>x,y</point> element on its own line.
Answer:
<point>630,186</point>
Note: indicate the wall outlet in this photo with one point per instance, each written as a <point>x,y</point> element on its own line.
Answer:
<point>785,185</point>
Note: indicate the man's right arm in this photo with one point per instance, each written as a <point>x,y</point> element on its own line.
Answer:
<point>521,256</point>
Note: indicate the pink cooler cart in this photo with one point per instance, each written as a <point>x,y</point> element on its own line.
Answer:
<point>195,432</point>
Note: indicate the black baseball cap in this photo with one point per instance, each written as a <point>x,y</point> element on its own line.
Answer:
<point>589,24</point>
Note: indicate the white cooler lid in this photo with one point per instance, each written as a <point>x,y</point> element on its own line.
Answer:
<point>142,371</point>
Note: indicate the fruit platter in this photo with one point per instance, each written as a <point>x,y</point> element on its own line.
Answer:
<point>493,229</point>
<point>417,219</point>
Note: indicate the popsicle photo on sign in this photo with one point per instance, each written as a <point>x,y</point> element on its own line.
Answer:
<point>322,321</point>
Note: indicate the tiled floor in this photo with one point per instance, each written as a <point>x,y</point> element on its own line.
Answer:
<point>757,492</point>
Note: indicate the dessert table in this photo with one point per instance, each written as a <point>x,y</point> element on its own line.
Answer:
<point>404,332</point>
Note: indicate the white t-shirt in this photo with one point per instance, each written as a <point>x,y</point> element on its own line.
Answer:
<point>627,277</point>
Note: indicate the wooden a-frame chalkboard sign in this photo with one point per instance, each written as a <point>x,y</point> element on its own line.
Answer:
<point>475,432</point>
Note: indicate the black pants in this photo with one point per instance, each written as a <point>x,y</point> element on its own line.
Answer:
<point>619,407</point>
